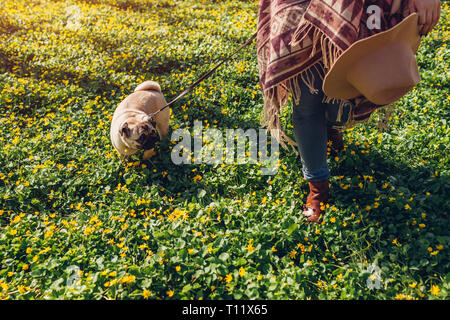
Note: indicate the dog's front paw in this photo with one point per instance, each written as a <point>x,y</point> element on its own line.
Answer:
<point>148,154</point>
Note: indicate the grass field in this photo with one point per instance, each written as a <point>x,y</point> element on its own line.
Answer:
<point>76,224</point>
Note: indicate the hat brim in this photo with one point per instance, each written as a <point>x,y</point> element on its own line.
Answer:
<point>336,84</point>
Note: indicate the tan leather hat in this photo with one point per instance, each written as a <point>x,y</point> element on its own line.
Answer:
<point>381,67</point>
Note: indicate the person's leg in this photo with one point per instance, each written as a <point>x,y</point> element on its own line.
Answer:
<point>310,127</point>
<point>311,132</point>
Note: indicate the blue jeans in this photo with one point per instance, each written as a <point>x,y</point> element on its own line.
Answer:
<point>310,119</point>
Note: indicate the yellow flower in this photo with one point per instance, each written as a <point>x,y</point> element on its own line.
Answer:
<point>170,293</point>
<point>400,296</point>
<point>333,220</point>
<point>4,286</point>
<point>127,279</point>
<point>146,294</point>
<point>177,268</point>
<point>241,271</point>
<point>435,290</point>
<point>412,285</point>
<point>88,230</point>
<point>22,289</point>
<point>228,278</point>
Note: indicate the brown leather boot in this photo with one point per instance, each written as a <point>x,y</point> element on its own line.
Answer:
<point>335,137</point>
<point>318,194</point>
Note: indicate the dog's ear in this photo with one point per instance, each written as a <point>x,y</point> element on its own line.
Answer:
<point>125,130</point>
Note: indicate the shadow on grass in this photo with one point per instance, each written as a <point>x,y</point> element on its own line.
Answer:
<point>412,209</point>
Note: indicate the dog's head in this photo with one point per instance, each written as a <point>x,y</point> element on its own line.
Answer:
<point>139,133</point>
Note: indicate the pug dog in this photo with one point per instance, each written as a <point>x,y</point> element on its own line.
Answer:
<point>132,129</point>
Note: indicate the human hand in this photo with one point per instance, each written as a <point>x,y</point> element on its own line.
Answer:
<point>429,12</point>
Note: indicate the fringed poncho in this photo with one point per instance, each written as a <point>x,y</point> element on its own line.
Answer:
<point>295,36</point>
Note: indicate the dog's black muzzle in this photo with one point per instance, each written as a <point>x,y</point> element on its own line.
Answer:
<point>148,142</point>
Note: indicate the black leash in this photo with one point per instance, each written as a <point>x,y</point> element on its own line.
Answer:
<point>204,76</point>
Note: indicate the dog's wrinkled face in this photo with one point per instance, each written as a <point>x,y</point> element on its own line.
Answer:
<point>139,134</point>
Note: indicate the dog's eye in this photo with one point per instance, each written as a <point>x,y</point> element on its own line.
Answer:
<point>152,122</point>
